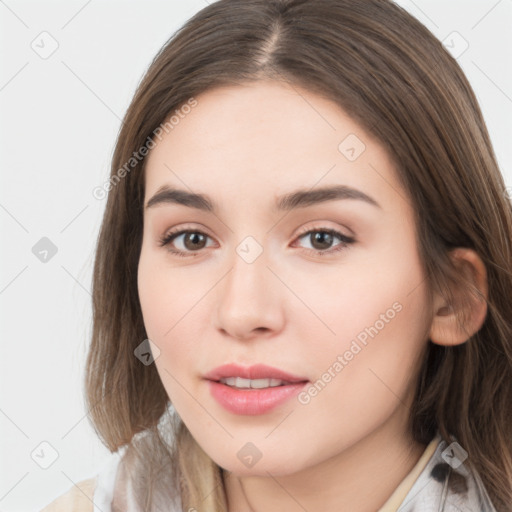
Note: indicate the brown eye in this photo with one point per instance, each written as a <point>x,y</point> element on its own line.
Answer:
<point>321,240</point>
<point>188,241</point>
<point>194,240</point>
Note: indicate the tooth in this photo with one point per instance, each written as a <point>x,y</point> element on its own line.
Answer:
<point>242,383</point>
<point>260,383</point>
<point>239,382</point>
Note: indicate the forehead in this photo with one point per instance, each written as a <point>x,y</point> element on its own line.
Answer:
<point>266,138</point>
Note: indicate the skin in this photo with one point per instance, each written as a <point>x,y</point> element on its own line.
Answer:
<point>349,447</point>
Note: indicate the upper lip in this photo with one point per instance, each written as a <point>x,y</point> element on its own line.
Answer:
<point>257,371</point>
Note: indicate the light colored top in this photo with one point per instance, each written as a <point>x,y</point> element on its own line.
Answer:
<point>92,495</point>
<point>399,494</point>
<point>439,482</point>
<point>77,499</point>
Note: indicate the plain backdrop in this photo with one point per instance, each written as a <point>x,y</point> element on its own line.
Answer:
<point>60,114</point>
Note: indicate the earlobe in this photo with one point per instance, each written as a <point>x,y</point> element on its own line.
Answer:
<point>470,302</point>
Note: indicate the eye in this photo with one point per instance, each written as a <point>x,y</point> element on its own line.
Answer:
<point>322,237</point>
<point>194,241</point>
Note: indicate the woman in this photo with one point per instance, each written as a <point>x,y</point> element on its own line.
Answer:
<point>253,372</point>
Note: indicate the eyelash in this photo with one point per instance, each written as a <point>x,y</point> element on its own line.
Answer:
<point>344,244</point>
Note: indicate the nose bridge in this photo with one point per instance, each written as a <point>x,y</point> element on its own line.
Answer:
<point>247,300</point>
<point>249,271</point>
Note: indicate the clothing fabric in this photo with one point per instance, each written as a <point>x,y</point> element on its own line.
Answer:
<point>77,499</point>
<point>405,486</point>
<point>441,481</point>
<point>447,484</point>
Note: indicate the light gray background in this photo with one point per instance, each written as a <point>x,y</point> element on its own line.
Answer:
<point>59,119</point>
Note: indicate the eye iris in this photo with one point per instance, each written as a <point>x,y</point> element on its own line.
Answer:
<point>193,237</point>
<point>324,237</point>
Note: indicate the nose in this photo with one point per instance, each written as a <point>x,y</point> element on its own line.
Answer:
<point>249,301</point>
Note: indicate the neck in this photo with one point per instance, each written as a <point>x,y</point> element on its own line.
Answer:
<point>359,478</point>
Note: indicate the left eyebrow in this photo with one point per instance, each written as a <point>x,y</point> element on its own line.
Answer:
<point>304,198</point>
<point>297,199</point>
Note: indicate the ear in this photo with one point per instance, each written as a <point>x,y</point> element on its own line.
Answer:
<point>445,330</point>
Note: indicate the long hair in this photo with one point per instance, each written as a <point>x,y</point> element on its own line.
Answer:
<point>393,77</point>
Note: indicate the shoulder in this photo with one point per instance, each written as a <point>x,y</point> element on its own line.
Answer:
<point>89,495</point>
<point>78,498</point>
<point>448,484</point>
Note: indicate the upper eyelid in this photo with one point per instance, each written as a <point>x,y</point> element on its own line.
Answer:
<point>177,232</point>
<point>323,226</point>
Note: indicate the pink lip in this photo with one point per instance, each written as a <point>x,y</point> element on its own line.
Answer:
<point>252,401</point>
<point>257,371</point>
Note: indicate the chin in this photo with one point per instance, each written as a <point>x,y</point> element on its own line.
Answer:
<point>263,468</point>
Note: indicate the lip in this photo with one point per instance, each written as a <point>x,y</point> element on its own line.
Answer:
<point>252,402</point>
<point>257,371</point>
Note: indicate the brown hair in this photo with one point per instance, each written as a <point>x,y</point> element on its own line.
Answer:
<point>393,77</point>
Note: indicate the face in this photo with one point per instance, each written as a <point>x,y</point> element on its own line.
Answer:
<point>325,287</point>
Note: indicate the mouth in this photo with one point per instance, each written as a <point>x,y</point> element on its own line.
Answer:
<point>240,383</point>
<point>255,376</point>
<point>252,390</point>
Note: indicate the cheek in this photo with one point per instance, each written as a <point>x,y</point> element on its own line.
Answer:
<point>171,300</point>
<point>162,308</point>
<point>152,296</point>
<point>163,301</point>
<point>376,325</point>
<point>364,373</point>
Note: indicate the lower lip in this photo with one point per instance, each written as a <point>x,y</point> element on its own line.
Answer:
<point>253,401</point>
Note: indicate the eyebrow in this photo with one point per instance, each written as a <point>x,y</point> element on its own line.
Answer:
<point>297,199</point>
